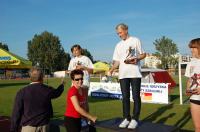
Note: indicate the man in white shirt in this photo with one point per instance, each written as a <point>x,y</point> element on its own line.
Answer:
<point>127,55</point>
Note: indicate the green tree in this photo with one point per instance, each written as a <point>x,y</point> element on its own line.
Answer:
<point>46,51</point>
<point>88,54</point>
<point>166,50</point>
<point>4,46</point>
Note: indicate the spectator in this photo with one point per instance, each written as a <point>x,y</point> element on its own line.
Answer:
<point>32,108</point>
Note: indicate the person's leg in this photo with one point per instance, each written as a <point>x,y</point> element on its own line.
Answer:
<point>72,124</point>
<point>125,89</point>
<point>195,111</point>
<point>28,129</point>
<point>136,84</point>
<point>44,128</point>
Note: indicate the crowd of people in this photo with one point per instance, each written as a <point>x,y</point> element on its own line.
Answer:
<point>33,109</point>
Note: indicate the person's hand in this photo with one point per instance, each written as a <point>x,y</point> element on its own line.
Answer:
<point>196,91</point>
<point>80,67</point>
<point>63,81</point>
<point>94,119</point>
<point>67,72</point>
<point>188,92</point>
<point>109,73</point>
<point>131,60</point>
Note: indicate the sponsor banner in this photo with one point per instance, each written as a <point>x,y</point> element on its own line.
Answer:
<point>150,92</point>
<point>154,92</point>
<point>7,60</point>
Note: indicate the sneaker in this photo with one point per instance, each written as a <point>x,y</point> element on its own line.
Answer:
<point>124,123</point>
<point>133,124</point>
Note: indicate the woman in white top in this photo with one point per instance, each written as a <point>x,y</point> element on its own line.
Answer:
<point>193,83</point>
<point>85,64</point>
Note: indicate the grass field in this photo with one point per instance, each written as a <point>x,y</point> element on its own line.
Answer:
<point>171,114</point>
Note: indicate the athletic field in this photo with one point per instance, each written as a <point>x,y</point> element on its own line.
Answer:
<point>172,114</point>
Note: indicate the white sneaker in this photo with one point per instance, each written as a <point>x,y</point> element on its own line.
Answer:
<point>133,124</point>
<point>124,123</point>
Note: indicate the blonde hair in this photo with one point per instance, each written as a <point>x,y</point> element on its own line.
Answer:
<point>36,74</point>
<point>195,43</point>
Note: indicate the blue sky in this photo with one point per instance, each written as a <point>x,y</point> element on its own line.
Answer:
<point>91,23</point>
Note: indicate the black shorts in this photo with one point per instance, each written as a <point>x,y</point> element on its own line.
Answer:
<point>197,102</point>
<point>72,124</point>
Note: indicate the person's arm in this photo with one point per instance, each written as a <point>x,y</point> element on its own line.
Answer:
<point>141,56</point>
<point>90,70</point>
<point>188,90</point>
<point>17,113</point>
<point>196,91</point>
<point>67,71</point>
<point>57,92</point>
<point>80,110</point>
<point>115,66</point>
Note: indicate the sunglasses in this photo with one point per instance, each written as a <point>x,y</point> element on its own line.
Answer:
<point>78,79</point>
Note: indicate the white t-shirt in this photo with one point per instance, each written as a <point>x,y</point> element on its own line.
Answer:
<point>193,72</point>
<point>131,47</point>
<point>85,61</point>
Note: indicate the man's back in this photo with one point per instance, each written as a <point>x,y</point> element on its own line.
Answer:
<point>33,105</point>
<point>37,104</point>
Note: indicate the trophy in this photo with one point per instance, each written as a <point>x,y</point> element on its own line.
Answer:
<point>194,83</point>
<point>78,64</point>
<point>131,56</point>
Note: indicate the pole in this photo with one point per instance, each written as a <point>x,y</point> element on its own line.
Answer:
<point>180,81</point>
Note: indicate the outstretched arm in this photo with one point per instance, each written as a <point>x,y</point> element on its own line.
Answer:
<point>81,111</point>
<point>90,70</point>
<point>57,92</point>
<point>115,66</point>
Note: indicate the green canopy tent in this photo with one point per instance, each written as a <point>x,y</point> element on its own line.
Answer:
<point>9,60</point>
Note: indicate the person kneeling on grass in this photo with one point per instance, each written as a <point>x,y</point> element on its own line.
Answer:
<point>74,102</point>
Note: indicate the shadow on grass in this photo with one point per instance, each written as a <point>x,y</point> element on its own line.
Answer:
<point>179,124</point>
<point>159,112</point>
<point>173,97</point>
<point>184,119</point>
<point>185,131</point>
<point>164,119</point>
<point>4,85</point>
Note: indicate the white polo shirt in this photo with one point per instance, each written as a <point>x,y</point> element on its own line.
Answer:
<point>193,72</point>
<point>130,47</point>
<point>84,61</point>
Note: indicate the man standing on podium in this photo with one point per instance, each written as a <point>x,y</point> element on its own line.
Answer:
<point>127,55</point>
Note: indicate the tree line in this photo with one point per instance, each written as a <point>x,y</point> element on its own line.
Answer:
<point>45,50</point>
